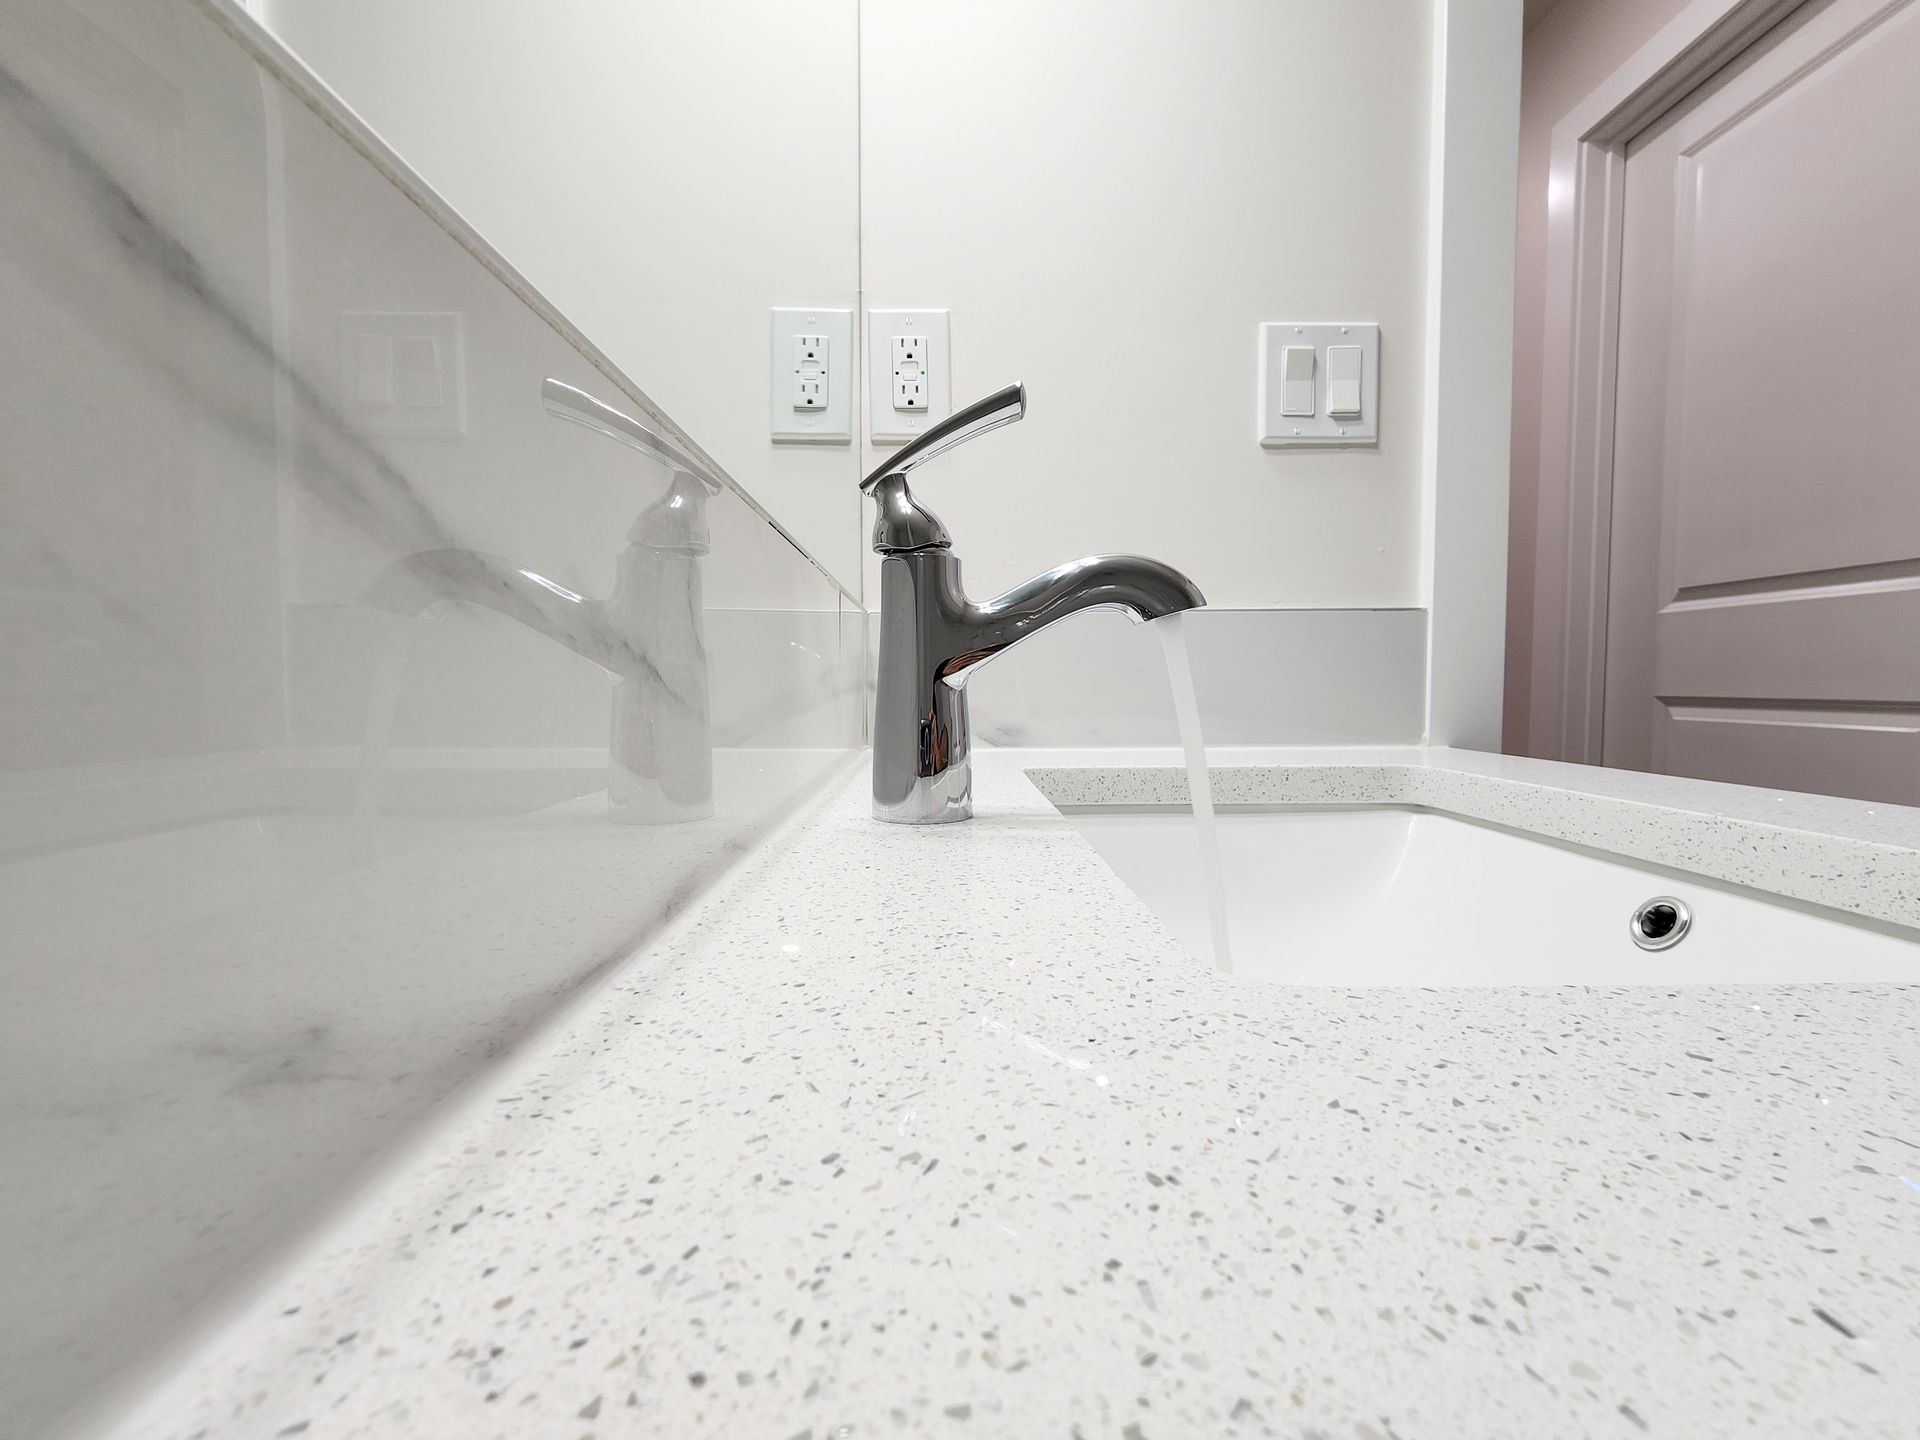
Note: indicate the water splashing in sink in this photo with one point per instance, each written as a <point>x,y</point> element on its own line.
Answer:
<point>1186,709</point>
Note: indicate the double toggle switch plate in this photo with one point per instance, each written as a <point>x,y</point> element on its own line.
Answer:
<point>1319,384</point>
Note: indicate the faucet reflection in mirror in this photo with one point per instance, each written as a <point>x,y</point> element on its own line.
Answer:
<point>647,633</point>
<point>932,637</point>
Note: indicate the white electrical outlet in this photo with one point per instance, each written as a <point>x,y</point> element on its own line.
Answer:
<point>809,372</point>
<point>813,376</point>
<point>910,372</point>
<point>907,385</point>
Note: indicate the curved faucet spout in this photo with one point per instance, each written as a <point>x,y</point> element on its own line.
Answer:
<point>932,638</point>
<point>1144,589</point>
<point>416,583</point>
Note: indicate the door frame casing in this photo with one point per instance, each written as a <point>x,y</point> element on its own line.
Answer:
<point>1586,192</point>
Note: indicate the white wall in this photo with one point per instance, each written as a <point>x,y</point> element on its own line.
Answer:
<point>665,173</point>
<point>1470,190</point>
<point>1110,196</point>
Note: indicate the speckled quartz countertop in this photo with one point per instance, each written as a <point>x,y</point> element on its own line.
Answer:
<point>936,1131</point>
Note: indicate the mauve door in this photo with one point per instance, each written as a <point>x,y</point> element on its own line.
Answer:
<point>1764,607</point>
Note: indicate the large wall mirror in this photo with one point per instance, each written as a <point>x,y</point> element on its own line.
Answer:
<point>668,174</point>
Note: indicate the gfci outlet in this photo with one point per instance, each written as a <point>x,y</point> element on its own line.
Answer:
<point>910,372</point>
<point>810,372</point>
<point>907,389</point>
<point>812,393</point>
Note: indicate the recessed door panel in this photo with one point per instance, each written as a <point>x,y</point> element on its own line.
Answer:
<point>1764,602</point>
<point>1796,313</point>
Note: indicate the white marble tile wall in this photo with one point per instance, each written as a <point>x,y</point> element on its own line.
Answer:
<point>280,830</point>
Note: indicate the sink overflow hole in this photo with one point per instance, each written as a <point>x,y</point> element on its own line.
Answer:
<point>1660,923</point>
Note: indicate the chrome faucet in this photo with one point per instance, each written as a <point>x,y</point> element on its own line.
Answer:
<point>933,638</point>
<point>647,634</point>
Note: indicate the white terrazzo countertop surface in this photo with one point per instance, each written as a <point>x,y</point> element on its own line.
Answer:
<point>936,1131</point>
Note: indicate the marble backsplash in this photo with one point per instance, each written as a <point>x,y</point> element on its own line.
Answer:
<point>283,863</point>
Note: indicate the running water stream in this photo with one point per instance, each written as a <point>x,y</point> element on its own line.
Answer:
<point>1187,710</point>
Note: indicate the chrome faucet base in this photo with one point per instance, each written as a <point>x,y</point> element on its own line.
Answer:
<point>931,799</point>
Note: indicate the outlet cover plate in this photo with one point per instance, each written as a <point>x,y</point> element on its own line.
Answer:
<point>886,425</point>
<point>832,424</point>
<point>404,372</point>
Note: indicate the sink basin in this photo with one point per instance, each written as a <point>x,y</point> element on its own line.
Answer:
<point>1381,895</point>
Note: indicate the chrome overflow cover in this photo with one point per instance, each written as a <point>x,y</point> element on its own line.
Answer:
<point>1660,923</point>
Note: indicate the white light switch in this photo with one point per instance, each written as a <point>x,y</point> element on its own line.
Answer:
<point>1343,382</point>
<point>907,382</point>
<point>809,372</point>
<point>419,372</point>
<point>1318,383</point>
<point>1296,380</point>
<point>373,370</point>
<point>813,376</point>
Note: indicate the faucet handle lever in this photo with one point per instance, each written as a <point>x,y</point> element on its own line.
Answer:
<point>1003,407</point>
<point>565,402</point>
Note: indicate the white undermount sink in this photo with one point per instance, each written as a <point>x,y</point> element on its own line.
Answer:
<point>1383,895</point>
